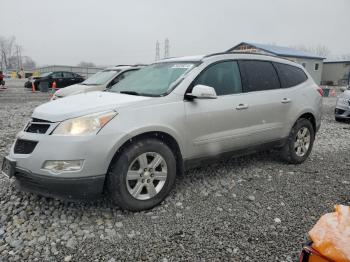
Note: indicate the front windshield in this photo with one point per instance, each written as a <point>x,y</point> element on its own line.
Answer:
<point>153,80</point>
<point>101,77</point>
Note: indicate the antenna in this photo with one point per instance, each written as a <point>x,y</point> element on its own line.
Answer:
<point>157,51</point>
<point>166,48</point>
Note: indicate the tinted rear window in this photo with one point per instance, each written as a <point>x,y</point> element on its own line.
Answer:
<point>290,75</point>
<point>258,75</point>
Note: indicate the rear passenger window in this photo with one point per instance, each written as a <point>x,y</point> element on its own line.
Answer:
<point>290,75</point>
<point>224,77</point>
<point>67,75</point>
<point>258,75</point>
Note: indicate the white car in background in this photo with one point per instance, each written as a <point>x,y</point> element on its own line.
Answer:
<point>342,108</point>
<point>100,81</point>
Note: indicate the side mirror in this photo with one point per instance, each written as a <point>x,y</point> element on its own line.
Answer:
<point>202,92</point>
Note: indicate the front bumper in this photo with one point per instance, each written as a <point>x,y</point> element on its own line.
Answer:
<point>342,113</point>
<point>96,151</point>
<point>62,188</point>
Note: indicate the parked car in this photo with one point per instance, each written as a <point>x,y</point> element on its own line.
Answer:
<point>100,81</point>
<point>163,119</point>
<point>31,79</point>
<point>342,108</point>
<point>62,79</point>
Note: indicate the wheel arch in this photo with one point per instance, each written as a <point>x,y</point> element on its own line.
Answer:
<point>165,137</point>
<point>311,117</point>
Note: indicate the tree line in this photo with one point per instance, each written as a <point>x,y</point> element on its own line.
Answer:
<point>11,54</point>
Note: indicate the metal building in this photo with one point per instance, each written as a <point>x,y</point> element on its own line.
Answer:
<point>312,63</point>
<point>336,73</point>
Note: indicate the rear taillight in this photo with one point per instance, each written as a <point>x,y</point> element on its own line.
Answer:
<point>320,90</point>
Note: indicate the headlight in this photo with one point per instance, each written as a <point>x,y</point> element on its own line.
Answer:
<point>84,125</point>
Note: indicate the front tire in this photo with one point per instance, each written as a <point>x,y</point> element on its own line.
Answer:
<point>142,176</point>
<point>338,119</point>
<point>299,143</point>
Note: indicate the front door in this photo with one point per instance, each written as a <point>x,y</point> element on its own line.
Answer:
<point>68,78</point>
<point>217,125</point>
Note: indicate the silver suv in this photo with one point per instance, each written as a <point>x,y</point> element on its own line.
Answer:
<point>134,140</point>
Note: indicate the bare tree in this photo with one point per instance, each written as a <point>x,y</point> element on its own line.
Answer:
<point>86,64</point>
<point>345,57</point>
<point>320,50</point>
<point>11,55</point>
<point>7,50</point>
<point>28,63</point>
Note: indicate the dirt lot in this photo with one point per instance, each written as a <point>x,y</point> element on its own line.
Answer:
<point>252,208</point>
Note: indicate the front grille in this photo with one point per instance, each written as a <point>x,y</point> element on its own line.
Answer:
<point>24,146</point>
<point>339,111</point>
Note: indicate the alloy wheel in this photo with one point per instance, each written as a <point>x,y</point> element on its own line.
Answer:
<point>146,175</point>
<point>302,141</point>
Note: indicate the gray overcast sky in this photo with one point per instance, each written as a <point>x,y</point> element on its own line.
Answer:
<point>110,32</point>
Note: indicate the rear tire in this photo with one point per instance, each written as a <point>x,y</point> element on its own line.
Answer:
<point>142,176</point>
<point>299,143</point>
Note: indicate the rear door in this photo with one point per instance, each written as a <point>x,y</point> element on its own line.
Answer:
<point>294,82</point>
<point>78,78</point>
<point>267,103</point>
<point>68,78</point>
<point>58,78</point>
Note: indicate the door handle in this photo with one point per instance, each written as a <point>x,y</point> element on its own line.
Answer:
<point>242,106</point>
<point>286,100</point>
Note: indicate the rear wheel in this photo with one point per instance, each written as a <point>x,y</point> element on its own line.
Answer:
<point>300,141</point>
<point>142,176</point>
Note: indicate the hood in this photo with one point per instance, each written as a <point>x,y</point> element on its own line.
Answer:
<point>77,89</point>
<point>84,104</point>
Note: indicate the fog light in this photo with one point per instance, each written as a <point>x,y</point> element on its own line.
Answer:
<point>58,166</point>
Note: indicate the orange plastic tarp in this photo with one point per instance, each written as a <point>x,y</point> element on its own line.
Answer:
<point>331,234</point>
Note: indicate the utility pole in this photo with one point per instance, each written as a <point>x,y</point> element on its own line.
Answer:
<point>166,48</point>
<point>20,57</point>
<point>157,51</point>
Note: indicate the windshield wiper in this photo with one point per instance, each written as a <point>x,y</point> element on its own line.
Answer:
<point>87,84</point>
<point>130,93</point>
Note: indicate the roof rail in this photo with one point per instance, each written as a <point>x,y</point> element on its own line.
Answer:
<point>214,54</point>
<point>245,53</point>
<point>139,65</point>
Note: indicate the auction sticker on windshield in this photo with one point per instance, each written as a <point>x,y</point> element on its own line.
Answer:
<point>185,66</point>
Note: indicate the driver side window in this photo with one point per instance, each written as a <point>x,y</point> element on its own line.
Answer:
<point>224,77</point>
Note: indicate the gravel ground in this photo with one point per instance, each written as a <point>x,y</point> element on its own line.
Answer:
<point>252,208</point>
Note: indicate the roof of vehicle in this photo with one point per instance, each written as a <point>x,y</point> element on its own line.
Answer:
<point>280,50</point>
<point>237,55</point>
<point>124,67</point>
<point>182,59</point>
